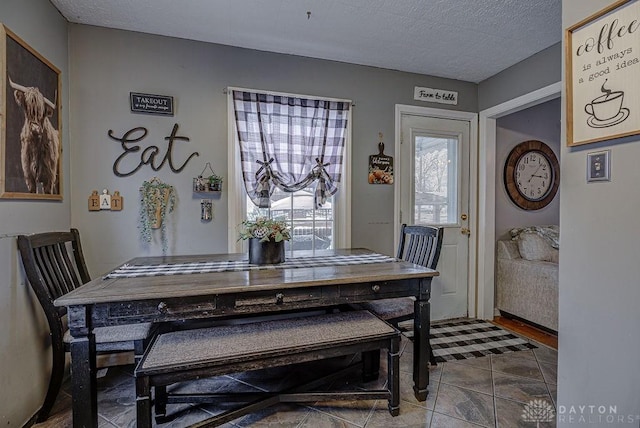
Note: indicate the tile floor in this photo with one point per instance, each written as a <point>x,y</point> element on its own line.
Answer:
<point>490,391</point>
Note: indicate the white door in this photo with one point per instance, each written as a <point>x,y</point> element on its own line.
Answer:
<point>434,191</point>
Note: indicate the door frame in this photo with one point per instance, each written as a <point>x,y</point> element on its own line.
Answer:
<point>472,118</point>
<point>486,187</point>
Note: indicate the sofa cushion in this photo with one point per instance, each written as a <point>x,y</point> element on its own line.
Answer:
<point>508,250</point>
<point>535,248</point>
<point>550,233</point>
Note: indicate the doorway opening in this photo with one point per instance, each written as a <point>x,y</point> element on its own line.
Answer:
<point>487,187</point>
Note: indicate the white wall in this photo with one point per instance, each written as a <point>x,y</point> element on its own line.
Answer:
<point>24,346</point>
<point>107,64</point>
<point>599,334</point>
<point>541,122</point>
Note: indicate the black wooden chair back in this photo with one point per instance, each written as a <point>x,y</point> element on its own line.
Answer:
<point>54,265</point>
<point>420,245</point>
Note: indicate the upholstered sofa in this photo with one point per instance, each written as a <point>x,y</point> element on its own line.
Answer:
<point>527,276</point>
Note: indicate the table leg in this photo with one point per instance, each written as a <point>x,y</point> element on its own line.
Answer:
<point>421,347</point>
<point>83,368</point>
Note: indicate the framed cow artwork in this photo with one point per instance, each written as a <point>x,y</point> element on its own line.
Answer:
<point>30,141</point>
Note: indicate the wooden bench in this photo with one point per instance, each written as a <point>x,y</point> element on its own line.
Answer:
<point>193,354</point>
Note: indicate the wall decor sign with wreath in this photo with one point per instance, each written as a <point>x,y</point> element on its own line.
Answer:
<point>380,166</point>
<point>602,67</point>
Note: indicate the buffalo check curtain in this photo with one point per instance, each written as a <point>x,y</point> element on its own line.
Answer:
<point>290,143</point>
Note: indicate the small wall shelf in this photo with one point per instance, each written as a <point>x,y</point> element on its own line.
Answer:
<point>202,185</point>
<point>209,184</point>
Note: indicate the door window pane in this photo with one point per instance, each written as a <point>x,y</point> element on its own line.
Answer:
<point>436,180</point>
<point>311,229</point>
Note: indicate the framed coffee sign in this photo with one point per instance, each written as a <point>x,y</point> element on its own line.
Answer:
<point>602,68</point>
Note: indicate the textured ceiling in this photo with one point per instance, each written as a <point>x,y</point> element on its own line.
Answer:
<point>468,40</point>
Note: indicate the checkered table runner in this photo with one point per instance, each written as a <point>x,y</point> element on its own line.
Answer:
<point>133,271</point>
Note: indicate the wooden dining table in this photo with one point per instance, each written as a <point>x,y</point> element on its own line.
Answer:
<point>179,288</point>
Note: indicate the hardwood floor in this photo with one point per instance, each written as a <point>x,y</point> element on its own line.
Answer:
<point>527,330</point>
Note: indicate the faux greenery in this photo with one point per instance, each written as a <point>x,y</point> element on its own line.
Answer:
<point>264,229</point>
<point>215,179</point>
<point>155,197</point>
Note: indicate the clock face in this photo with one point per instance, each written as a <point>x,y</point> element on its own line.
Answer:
<point>533,175</point>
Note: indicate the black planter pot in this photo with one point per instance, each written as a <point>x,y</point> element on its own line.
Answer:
<point>265,253</point>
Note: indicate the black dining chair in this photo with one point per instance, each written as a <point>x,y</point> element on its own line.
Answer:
<point>54,265</point>
<point>420,245</point>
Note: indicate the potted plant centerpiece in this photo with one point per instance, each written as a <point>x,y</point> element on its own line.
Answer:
<point>266,239</point>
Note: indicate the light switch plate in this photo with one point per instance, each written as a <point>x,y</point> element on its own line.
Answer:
<point>599,166</point>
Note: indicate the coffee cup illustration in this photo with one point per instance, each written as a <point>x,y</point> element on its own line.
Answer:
<point>606,106</point>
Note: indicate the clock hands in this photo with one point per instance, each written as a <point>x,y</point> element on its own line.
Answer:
<point>534,173</point>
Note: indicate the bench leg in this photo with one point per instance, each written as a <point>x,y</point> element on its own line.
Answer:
<point>370,365</point>
<point>393,376</point>
<point>160,403</point>
<point>143,402</point>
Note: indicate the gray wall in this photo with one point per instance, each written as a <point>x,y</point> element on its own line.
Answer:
<point>535,72</point>
<point>107,64</point>
<point>541,122</point>
<point>25,335</point>
<point>599,270</point>
<point>599,345</point>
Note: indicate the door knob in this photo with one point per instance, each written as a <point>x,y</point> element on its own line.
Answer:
<point>465,231</point>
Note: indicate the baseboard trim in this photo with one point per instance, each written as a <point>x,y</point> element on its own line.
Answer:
<point>525,321</point>
<point>526,329</point>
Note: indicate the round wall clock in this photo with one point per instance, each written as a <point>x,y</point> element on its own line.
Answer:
<point>531,175</point>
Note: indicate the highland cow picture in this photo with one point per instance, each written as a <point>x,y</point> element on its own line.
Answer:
<point>30,156</point>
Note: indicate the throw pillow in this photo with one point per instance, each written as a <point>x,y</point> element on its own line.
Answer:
<point>534,247</point>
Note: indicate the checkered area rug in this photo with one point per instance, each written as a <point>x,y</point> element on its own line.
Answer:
<point>459,340</point>
<point>133,271</point>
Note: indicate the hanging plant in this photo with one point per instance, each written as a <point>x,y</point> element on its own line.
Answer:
<point>157,200</point>
<point>215,182</point>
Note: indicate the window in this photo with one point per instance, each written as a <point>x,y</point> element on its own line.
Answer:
<point>435,168</point>
<point>312,228</point>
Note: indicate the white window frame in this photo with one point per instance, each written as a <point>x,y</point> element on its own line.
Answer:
<point>237,194</point>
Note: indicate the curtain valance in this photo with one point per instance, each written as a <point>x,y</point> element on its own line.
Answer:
<point>290,143</point>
